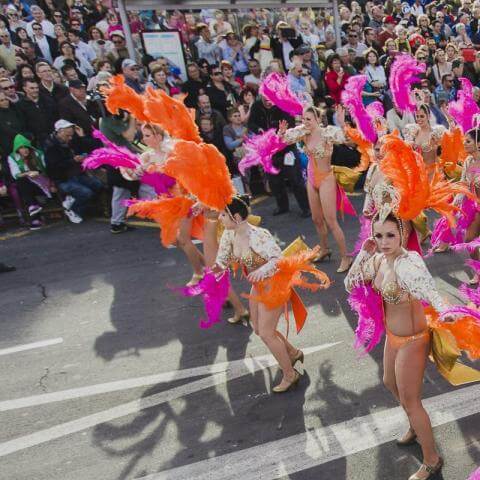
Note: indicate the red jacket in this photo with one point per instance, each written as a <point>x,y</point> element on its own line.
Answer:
<point>334,88</point>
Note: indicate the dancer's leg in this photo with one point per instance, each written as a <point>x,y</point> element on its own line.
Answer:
<point>317,215</point>
<point>184,241</point>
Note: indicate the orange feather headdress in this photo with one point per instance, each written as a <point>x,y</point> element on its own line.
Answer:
<point>120,96</point>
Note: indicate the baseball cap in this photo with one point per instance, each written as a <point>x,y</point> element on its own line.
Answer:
<point>389,19</point>
<point>76,84</point>
<point>61,124</point>
<point>128,63</point>
<point>118,33</point>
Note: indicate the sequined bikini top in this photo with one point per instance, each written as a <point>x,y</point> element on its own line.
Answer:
<point>251,261</point>
<point>392,293</point>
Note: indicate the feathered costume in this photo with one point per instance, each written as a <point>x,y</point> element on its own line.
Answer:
<point>408,192</point>
<point>276,89</point>
<point>464,109</point>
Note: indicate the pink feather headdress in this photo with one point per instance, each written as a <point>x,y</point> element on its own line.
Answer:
<point>276,89</point>
<point>260,149</point>
<point>403,74</point>
<point>352,99</point>
<point>465,108</point>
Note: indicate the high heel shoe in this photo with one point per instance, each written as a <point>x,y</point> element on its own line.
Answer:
<point>280,389</point>
<point>442,249</point>
<point>194,280</point>
<point>345,265</point>
<point>475,280</point>
<point>429,470</point>
<point>322,255</point>
<point>239,318</point>
<point>299,357</point>
<point>408,439</point>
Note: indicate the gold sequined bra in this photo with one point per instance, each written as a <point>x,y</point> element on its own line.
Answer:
<point>251,261</point>
<point>392,293</point>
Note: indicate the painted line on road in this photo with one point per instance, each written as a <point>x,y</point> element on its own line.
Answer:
<point>129,383</point>
<point>31,346</point>
<point>8,236</point>
<point>315,447</point>
<point>243,367</point>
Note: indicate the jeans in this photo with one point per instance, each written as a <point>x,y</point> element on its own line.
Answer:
<point>82,188</point>
<point>119,210</point>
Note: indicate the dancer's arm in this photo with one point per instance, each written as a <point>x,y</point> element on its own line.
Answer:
<point>363,268</point>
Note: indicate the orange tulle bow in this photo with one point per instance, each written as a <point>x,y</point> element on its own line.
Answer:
<point>122,97</point>
<point>363,146</point>
<point>201,169</point>
<point>409,175</point>
<point>278,289</point>
<point>172,115</point>
<point>167,212</point>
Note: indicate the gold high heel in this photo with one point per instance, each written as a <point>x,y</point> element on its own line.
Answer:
<point>408,439</point>
<point>239,318</point>
<point>322,255</point>
<point>279,389</point>
<point>299,357</point>
<point>345,268</point>
<point>430,469</point>
<point>194,280</point>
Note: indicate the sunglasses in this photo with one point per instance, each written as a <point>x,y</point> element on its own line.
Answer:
<point>58,15</point>
<point>117,42</point>
<point>216,73</point>
<point>10,87</point>
<point>422,58</point>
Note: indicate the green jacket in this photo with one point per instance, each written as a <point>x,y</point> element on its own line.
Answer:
<point>16,163</point>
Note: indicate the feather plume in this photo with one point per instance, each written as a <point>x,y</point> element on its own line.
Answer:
<point>470,294</point>
<point>367,304</point>
<point>260,149</point>
<point>159,181</point>
<point>465,108</point>
<point>466,216</point>
<point>403,74</point>
<point>201,169</point>
<point>375,109</point>
<point>275,291</point>
<point>470,247</point>
<point>167,212</point>
<point>172,115</point>
<point>461,311</point>
<point>365,148</point>
<point>276,89</point>
<point>112,155</point>
<point>475,475</point>
<point>474,265</point>
<point>365,232</point>
<point>452,151</point>
<point>214,293</point>
<point>441,233</point>
<point>352,99</point>
<point>120,96</point>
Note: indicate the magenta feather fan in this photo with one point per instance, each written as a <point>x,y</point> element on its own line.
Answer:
<point>403,74</point>
<point>465,108</point>
<point>367,304</point>
<point>260,149</point>
<point>352,99</point>
<point>214,293</point>
<point>276,89</point>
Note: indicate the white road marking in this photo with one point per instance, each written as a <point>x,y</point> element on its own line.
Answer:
<point>316,447</point>
<point>195,241</point>
<point>234,370</point>
<point>31,346</point>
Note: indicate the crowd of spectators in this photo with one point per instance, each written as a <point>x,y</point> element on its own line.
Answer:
<point>56,55</point>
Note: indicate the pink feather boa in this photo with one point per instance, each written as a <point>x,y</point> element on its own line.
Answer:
<point>214,293</point>
<point>403,74</point>
<point>367,304</point>
<point>276,89</point>
<point>259,151</point>
<point>352,99</point>
<point>475,475</point>
<point>159,181</point>
<point>464,109</point>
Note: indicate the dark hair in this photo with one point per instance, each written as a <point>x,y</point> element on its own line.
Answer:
<point>36,24</point>
<point>456,63</point>
<point>368,51</point>
<point>425,108</point>
<point>390,218</point>
<point>445,75</point>
<point>474,134</point>
<point>331,58</point>
<point>90,30</point>
<point>213,67</point>
<point>65,42</point>
<point>359,63</point>
<point>74,32</point>
<point>27,41</point>
<point>240,204</point>
<point>244,92</point>
<point>67,67</point>
<point>101,63</point>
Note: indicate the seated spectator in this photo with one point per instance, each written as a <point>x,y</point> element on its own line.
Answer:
<point>81,48</point>
<point>228,76</point>
<point>47,85</point>
<point>48,46</point>
<point>32,52</point>
<point>300,81</point>
<point>60,34</point>
<point>194,86</point>
<point>247,99</point>
<point>11,122</point>
<point>70,72</point>
<point>396,120</point>
<point>445,91</point>
<point>462,39</point>
<point>254,78</point>
<point>222,95</point>
<point>345,61</point>
<point>64,155</point>
<point>39,112</point>
<point>39,17</point>
<point>205,110</point>
<point>457,72</point>
<point>207,49</point>
<point>14,19</point>
<point>120,50</point>
<point>8,87</point>
<point>335,78</point>
<point>103,48</point>
<point>208,132</point>
<point>159,82</point>
<point>19,35</point>
<point>131,73</point>
<point>101,77</point>
<point>7,51</point>
<point>28,169</point>
<point>369,93</point>
<point>374,71</point>
<point>441,66</point>
<point>68,53</point>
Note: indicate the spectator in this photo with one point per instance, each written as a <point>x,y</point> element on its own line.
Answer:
<point>457,72</point>
<point>221,94</point>
<point>103,48</point>
<point>28,169</point>
<point>234,134</point>
<point>159,81</point>
<point>7,51</point>
<point>47,86</point>
<point>354,43</point>
<point>57,18</point>
<point>31,51</point>
<point>344,56</point>
<point>462,39</point>
<point>228,76</point>
<point>76,108</point>
<point>335,78</point>
<point>247,98</point>
<point>452,52</point>
<point>403,45</point>
<point>438,35</point>
<point>48,46</point>
<point>70,72</point>
<point>284,43</point>
<point>472,70</point>
<point>309,38</point>
<point>131,73</point>
<point>11,123</point>
<point>120,50</point>
<point>254,78</point>
<point>14,19</point>
<point>207,49</point>
<point>39,111</point>
<point>234,54</point>
<point>20,34</point>
<point>65,151</point>
<point>396,120</point>
<point>205,110</point>
<point>39,17</point>
<point>60,34</point>
<point>67,52</point>
<point>208,132</point>
<point>219,26</point>
<point>374,71</point>
<point>300,81</point>
<point>388,31</point>
<point>445,91</point>
<point>8,87</point>
<point>80,47</point>
<point>369,93</point>
<point>441,67</point>
<point>194,86</point>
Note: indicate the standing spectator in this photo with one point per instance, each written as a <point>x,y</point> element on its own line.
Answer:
<point>206,47</point>
<point>396,120</point>
<point>131,73</point>
<point>39,111</point>
<point>12,122</point>
<point>335,78</point>
<point>47,86</point>
<point>7,51</point>
<point>39,17</point>
<point>219,26</point>
<point>48,46</point>
<point>81,48</point>
<point>417,8</point>
<point>19,35</point>
<point>233,52</point>
<point>221,94</point>
<point>370,37</point>
<point>120,129</point>
<point>64,155</point>
<point>284,44</point>
<point>254,78</point>
<point>194,86</point>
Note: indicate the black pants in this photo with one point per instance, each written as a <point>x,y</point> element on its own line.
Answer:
<point>28,191</point>
<point>279,189</point>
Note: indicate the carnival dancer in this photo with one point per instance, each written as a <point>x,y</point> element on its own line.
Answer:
<point>387,286</point>
<point>322,187</point>
<point>273,277</point>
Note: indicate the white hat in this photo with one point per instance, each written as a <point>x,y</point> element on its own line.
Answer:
<point>61,124</point>
<point>128,62</point>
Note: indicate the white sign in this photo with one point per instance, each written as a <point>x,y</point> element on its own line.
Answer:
<point>168,45</point>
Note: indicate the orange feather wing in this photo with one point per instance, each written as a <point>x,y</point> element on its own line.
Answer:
<point>364,147</point>
<point>121,97</point>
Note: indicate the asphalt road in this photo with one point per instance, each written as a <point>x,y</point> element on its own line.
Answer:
<point>105,374</point>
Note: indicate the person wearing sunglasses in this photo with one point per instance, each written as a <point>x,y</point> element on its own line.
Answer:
<point>354,43</point>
